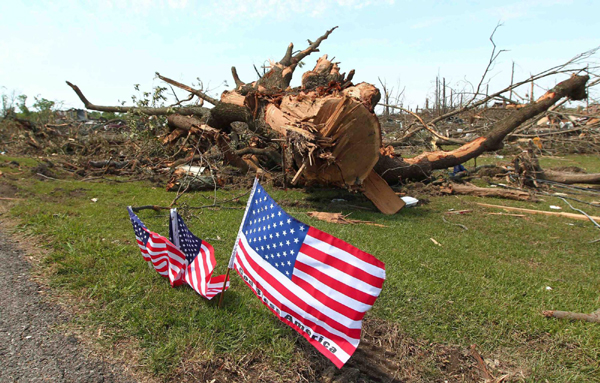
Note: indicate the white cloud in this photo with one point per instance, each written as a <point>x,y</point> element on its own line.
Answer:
<point>428,22</point>
<point>523,8</point>
<point>143,6</point>
<point>177,3</point>
<point>283,9</point>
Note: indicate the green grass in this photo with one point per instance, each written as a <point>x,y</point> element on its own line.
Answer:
<point>486,285</point>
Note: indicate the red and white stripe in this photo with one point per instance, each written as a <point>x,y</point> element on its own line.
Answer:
<point>332,286</point>
<point>199,273</point>
<point>215,286</point>
<point>143,249</point>
<point>166,258</point>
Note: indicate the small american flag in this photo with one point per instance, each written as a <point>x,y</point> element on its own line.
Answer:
<point>199,257</point>
<point>183,258</point>
<point>166,258</point>
<point>317,284</point>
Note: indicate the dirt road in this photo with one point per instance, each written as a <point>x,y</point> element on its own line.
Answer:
<point>31,348</point>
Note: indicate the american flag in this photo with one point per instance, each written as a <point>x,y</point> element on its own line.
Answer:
<point>166,258</point>
<point>317,284</point>
<point>199,258</point>
<point>183,258</point>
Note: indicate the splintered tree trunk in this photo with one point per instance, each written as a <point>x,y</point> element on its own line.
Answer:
<point>343,145</point>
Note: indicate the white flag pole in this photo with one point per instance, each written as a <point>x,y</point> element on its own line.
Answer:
<point>237,239</point>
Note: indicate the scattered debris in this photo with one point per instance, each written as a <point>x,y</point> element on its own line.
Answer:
<point>458,211</point>
<point>410,201</point>
<point>455,224</point>
<point>435,242</point>
<point>508,215</point>
<point>487,376</point>
<point>339,218</point>
<point>582,212</point>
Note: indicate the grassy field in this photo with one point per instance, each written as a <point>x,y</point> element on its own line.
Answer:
<point>487,285</point>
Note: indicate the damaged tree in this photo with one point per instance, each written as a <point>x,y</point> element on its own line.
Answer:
<point>327,127</point>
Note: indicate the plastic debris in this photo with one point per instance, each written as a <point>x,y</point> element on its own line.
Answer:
<point>410,201</point>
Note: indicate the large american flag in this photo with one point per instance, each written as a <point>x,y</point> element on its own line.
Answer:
<point>199,257</point>
<point>319,285</point>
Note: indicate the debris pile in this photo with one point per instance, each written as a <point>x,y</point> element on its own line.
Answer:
<point>324,132</point>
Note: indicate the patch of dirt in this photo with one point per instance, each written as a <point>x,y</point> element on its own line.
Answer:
<point>44,169</point>
<point>385,355</point>
<point>75,193</point>
<point>8,190</point>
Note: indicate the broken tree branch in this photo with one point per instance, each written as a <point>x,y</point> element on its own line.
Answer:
<point>196,92</point>
<point>195,110</point>
<point>393,169</point>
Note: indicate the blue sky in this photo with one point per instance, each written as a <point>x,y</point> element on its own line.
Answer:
<point>107,46</point>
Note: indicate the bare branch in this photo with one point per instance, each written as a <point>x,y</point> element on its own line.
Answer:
<point>236,78</point>
<point>257,72</point>
<point>313,47</point>
<point>558,69</point>
<point>424,125</point>
<point>287,58</point>
<point>195,110</point>
<point>197,92</point>
<point>493,57</point>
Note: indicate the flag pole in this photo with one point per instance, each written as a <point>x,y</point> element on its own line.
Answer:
<point>224,285</point>
<point>233,253</point>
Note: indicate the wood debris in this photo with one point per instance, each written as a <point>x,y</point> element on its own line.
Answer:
<point>339,218</point>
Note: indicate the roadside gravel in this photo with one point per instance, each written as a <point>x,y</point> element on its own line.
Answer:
<point>31,349</point>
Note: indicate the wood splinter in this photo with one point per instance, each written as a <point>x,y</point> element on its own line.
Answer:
<point>593,317</point>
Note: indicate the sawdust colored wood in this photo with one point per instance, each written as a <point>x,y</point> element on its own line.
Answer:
<point>356,138</point>
<point>381,194</point>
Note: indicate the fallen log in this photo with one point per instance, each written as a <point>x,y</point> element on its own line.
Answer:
<point>532,211</point>
<point>528,167</point>
<point>468,189</point>
<point>569,178</point>
<point>593,317</point>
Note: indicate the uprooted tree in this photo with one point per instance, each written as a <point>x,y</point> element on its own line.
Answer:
<point>327,127</point>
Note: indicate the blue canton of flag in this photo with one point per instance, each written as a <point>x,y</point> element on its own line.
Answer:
<point>141,234</point>
<point>273,234</point>
<point>184,239</point>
